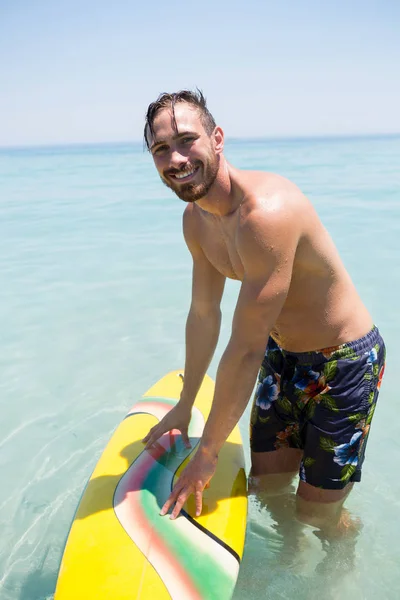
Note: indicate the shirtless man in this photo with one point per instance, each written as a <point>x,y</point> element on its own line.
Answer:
<point>298,315</point>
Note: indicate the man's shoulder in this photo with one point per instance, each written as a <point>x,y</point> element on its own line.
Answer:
<point>191,222</point>
<point>191,215</point>
<point>271,196</point>
<point>263,184</point>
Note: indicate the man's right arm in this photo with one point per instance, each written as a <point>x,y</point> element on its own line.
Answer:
<point>202,331</point>
<point>204,319</point>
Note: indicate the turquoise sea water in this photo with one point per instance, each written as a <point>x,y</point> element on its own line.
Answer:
<point>94,292</point>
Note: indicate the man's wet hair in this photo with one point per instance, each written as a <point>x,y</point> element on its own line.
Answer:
<point>165,100</point>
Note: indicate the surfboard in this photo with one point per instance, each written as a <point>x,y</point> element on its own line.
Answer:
<point>120,548</point>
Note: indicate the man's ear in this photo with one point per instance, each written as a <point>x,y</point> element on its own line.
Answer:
<point>218,136</point>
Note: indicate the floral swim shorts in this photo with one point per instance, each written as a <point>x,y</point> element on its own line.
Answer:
<point>321,402</point>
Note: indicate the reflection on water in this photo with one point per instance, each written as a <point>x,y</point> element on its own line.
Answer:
<point>289,559</point>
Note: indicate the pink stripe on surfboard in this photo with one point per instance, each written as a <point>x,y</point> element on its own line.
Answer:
<point>133,518</point>
<point>127,505</point>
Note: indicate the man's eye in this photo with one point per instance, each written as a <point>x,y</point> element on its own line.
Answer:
<point>187,140</point>
<point>160,149</point>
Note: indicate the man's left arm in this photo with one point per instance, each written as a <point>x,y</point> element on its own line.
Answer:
<point>267,244</point>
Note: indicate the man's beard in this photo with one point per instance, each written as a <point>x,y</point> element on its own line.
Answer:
<point>190,192</point>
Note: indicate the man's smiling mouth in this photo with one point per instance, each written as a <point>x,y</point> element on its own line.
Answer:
<point>186,174</point>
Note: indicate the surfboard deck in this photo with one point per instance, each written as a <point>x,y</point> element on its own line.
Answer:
<point>120,548</point>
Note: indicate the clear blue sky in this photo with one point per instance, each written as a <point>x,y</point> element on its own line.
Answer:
<point>76,71</point>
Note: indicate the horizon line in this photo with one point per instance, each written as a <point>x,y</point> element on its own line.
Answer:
<point>135,142</point>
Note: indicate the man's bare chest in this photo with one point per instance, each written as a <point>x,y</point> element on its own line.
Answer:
<point>219,244</point>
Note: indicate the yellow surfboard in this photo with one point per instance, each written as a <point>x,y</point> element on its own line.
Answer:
<point>120,548</point>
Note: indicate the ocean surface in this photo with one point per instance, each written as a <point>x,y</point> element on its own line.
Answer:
<point>95,285</point>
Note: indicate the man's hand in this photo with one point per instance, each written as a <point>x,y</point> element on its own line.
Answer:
<point>193,479</point>
<point>177,418</point>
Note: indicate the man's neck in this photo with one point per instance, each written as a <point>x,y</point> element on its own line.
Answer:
<point>224,197</point>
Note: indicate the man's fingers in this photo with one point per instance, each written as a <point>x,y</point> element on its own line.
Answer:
<point>178,496</point>
<point>151,441</point>
<point>167,506</point>
<point>180,501</point>
<point>146,437</point>
<point>185,438</point>
<point>199,502</point>
<point>150,434</point>
<point>171,499</point>
<point>154,434</point>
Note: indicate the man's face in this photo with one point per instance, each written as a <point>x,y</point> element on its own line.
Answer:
<point>185,157</point>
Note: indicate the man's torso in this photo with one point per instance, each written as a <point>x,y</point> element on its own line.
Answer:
<point>322,307</point>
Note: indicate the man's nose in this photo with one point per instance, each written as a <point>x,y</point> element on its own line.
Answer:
<point>177,159</point>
